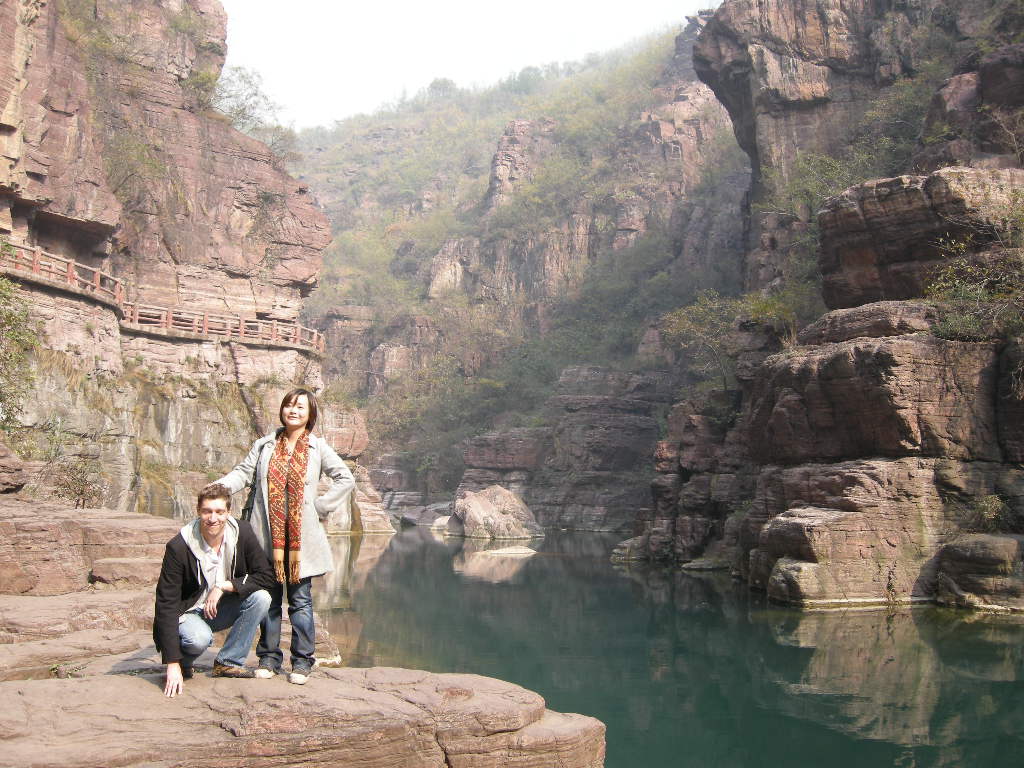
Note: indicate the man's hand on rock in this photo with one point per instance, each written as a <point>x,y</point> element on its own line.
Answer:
<point>175,682</point>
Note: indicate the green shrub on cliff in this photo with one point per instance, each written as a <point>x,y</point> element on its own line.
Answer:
<point>988,514</point>
<point>17,339</point>
<point>979,300</point>
<point>980,288</point>
<point>703,329</point>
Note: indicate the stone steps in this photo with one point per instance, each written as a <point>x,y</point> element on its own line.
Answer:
<point>125,572</point>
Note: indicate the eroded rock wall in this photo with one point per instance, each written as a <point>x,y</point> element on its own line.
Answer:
<point>115,160</point>
<point>589,470</point>
<point>798,76</point>
<point>844,465</point>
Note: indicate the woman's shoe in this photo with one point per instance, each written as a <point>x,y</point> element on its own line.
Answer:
<point>267,671</point>
<point>299,675</point>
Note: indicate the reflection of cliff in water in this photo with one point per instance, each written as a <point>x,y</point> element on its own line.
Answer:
<point>679,665</point>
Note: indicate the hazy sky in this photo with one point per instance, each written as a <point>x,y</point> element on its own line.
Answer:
<point>323,60</point>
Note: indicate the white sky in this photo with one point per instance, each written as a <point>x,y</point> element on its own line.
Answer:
<point>324,60</point>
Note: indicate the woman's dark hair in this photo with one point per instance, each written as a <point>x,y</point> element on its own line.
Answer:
<point>291,397</point>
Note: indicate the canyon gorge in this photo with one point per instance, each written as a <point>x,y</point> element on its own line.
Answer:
<point>834,174</point>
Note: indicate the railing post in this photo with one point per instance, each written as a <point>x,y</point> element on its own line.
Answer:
<point>167,318</point>
<point>206,323</point>
<point>96,280</point>
<point>273,331</point>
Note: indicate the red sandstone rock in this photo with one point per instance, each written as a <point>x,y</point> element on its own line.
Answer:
<point>881,239</point>
<point>896,396</point>
<point>126,572</point>
<point>864,531</point>
<point>982,571</point>
<point>345,431</point>
<point>12,471</point>
<point>49,549</point>
<point>370,717</point>
<point>493,513</point>
<point>253,240</point>
<point>513,449</point>
<point>875,320</point>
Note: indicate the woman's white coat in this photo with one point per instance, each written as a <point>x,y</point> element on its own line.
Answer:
<point>315,558</point>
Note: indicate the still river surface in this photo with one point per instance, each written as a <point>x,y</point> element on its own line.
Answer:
<point>686,670</point>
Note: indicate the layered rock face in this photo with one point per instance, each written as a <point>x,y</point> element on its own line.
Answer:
<point>374,717</point>
<point>856,452</point>
<point>886,238</point>
<point>848,464</point>
<point>151,188</point>
<point>148,233</point>
<point>846,461</point>
<point>798,77</point>
<point>588,471</point>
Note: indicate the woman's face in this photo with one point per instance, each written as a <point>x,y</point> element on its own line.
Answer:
<point>296,413</point>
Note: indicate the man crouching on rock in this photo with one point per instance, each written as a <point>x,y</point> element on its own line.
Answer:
<point>215,575</point>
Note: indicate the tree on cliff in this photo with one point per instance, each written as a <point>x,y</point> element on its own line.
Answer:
<point>703,329</point>
<point>16,340</point>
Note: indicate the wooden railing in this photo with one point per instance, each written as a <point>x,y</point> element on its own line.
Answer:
<point>36,262</point>
<point>227,326</point>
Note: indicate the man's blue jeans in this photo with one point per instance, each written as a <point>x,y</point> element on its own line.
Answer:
<point>300,612</point>
<point>243,616</point>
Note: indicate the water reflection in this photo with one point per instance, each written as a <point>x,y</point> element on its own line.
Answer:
<point>491,561</point>
<point>688,670</point>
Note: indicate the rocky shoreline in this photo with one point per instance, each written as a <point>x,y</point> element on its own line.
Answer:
<point>84,683</point>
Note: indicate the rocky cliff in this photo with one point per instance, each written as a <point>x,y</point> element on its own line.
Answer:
<point>665,182</point>
<point>844,475</point>
<point>587,472</point>
<point>164,254</point>
<point>115,159</point>
<point>800,77</point>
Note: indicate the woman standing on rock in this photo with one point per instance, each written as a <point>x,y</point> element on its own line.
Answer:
<point>284,469</point>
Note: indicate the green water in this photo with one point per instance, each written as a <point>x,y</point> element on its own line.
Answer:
<point>684,670</point>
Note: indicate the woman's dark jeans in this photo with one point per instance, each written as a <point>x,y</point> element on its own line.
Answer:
<point>300,613</point>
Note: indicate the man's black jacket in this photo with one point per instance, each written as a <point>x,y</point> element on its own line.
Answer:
<point>181,584</point>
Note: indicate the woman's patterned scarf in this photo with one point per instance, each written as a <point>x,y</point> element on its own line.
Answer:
<point>286,480</point>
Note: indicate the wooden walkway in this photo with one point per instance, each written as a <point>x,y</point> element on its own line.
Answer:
<point>35,264</point>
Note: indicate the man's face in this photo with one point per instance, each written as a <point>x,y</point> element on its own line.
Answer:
<point>213,515</point>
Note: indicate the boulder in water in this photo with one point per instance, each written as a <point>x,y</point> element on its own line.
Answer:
<point>493,513</point>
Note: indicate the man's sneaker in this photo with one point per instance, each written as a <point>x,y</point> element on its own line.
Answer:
<point>186,672</point>
<point>228,670</point>
<point>299,676</point>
